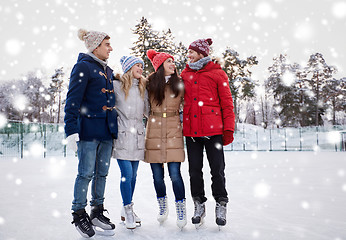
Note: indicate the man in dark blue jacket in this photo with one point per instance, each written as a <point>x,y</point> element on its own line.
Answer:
<point>90,127</point>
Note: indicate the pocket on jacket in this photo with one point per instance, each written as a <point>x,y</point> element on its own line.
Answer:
<point>186,119</point>
<point>121,140</point>
<point>140,139</point>
<point>211,119</point>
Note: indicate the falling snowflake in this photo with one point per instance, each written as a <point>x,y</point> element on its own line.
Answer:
<point>261,190</point>
<point>53,195</point>
<point>305,205</point>
<point>123,179</point>
<point>288,78</point>
<point>2,221</point>
<point>36,149</point>
<point>296,181</point>
<point>56,213</point>
<point>333,137</point>
<point>20,102</point>
<point>18,181</point>
<point>133,130</point>
<point>344,187</point>
<point>218,146</point>
<point>341,173</point>
<point>264,10</point>
<point>304,32</point>
<point>339,9</point>
<point>255,234</point>
<point>49,59</point>
<point>200,103</point>
<point>13,47</point>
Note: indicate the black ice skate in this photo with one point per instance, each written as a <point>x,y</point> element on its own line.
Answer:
<point>102,224</point>
<point>220,213</point>
<point>199,214</point>
<point>83,223</point>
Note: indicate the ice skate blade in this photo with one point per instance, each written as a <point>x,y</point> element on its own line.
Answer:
<point>84,235</point>
<point>123,220</point>
<point>220,227</point>
<point>199,225</point>
<point>101,232</point>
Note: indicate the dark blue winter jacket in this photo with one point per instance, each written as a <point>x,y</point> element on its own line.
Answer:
<point>90,101</point>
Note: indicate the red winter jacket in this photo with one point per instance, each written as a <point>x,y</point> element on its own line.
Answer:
<point>208,104</point>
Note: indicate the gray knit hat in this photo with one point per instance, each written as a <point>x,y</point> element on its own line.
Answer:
<point>92,39</point>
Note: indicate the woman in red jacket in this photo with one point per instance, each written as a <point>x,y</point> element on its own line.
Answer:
<point>208,122</point>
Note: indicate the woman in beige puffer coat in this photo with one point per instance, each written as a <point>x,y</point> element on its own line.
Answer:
<point>164,138</point>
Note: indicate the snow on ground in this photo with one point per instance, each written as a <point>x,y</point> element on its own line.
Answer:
<point>273,195</point>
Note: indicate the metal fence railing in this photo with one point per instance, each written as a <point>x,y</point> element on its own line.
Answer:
<point>39,139</point>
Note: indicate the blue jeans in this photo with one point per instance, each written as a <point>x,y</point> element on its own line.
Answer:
<point>94,160</point>
<point>128,171</point>
<point>175,175</point>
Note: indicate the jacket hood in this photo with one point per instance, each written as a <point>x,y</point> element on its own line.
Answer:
<point>84,57</point>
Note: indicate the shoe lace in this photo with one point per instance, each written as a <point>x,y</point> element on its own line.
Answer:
<point>162,205</point>
<point>84,222</point>
<point>130,214</point>
<point>181,210</point>
<point>198,209</point>
<point>221,211</point>
<point>103,217</point>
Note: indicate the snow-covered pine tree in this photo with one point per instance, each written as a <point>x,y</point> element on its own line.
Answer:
<point>280,84</point>
<point>334,93</point>
<point>239,75</point>
<point>34,91</point>
<point>55,90</point>
<point>167,42</point>
<point>306,105</point>
<point>151,39</point>
<point>7,93</point>
<point>147,39</point>
<point>180,57</point>
<point>318,75</point>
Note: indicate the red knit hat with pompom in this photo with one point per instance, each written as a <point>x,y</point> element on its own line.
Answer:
<point>157,58</point>
<point>201,46</point>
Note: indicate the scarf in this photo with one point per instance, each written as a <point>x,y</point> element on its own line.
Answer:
<point>200,63</point>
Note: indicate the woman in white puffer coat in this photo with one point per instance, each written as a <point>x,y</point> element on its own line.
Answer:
<point>132,105</point>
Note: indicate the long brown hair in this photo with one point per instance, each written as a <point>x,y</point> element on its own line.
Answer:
<point>126,83</point>
<point>157,84</point>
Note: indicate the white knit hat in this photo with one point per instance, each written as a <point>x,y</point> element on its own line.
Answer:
<point>92,39</point>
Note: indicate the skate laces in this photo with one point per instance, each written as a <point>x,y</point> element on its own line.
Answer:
<point>129,213</point>
<point>181,209</point>
<point>220,211</point>
<point>199,209</point>
<point>102,217</point>
<point>84,222</point>
<point>162,205</point>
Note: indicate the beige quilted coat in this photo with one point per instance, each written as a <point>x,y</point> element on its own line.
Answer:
<point>164,137</point>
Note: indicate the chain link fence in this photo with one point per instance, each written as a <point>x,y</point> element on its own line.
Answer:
<point>38,139</point>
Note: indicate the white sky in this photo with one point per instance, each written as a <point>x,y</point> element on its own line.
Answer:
<point>43,34</point>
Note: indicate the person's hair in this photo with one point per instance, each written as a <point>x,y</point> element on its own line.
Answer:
<point>157,83</point>
<point>106,37</point>
<point>126,83</point>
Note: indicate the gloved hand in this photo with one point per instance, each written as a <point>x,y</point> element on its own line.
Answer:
<point>227,137</point>
<point>72,142</point>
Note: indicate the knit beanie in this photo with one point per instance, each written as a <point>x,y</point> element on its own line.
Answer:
<point>157,58</point>
<point>128,61</point>
<point>92,39</point>
<point>201,46</point>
